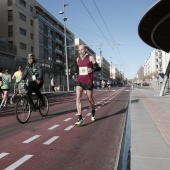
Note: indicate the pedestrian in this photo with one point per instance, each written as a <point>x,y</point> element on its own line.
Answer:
<point>52,84</point>
<point>103,84</point>
<point>17,76</point>
<point>85,66</point>
<point>6,80</point>
<point>108,84</point>
<point>1,80</point>
<point>98,84</point>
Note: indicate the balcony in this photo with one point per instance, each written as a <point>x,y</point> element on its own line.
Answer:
<point>58,61</point>
<point>8,48</point>
<point>58,41</point>
<point>58,51</point>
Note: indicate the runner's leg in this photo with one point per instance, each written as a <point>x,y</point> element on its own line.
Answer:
<point>79,91</point>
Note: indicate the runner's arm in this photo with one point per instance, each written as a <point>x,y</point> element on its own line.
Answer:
<point>96,66</point>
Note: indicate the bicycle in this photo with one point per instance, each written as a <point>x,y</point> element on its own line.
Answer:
<point>25,105</point>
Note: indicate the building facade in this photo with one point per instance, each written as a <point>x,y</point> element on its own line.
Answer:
<point>30,28</point>
<point>105,68</point>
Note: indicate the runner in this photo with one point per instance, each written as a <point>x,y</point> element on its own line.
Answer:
<point>86,65</point>
<point>17,76</point>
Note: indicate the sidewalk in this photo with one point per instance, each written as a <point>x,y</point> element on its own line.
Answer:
<point>150,130</point>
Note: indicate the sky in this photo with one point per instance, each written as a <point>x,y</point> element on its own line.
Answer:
<point>107,25</point>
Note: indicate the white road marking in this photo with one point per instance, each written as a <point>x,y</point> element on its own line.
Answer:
<point>3,154</point>
<point>67,119</point>
<point>51,140</point>
<point>69,127</point>
<point>126,90</point>
<point>84,110</point>
<point>99,107</point>
<point>88,114</point>
<point>53,127</point>
<point>31,139</point>
<point>19,162</point>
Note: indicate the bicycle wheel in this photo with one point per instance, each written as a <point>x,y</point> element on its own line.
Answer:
<point>44,106</point>
<point>23,109</point>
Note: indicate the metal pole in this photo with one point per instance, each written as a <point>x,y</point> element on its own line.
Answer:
<point>65,44</point>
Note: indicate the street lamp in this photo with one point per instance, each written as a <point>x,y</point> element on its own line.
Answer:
<point>65,44</point>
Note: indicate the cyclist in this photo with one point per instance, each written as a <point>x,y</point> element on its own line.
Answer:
<point>34,75</point>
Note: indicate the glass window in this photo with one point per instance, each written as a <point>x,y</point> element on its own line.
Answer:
<point>50,44</point>
<point>31,22</point>
<point>9,15</point>
<point>32,36</point>
<point>31,8</point>
<point>49,33</point>
<point>41,27</point>
<point>10,42</point>
<point>9,2</point>
<point>22,31</point>
<point>32,49</point>
<point>23,3</point>
<point>23,46</point>
<point>22,17</point>
<point>10,31</point>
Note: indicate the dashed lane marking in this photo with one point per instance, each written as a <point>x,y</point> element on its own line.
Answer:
<point>3,155</point>
<point>67,119</point>
<point>69,127</point>
<point>51,140</point>
<point>88,114</point>
<point>31,139</point>
<point>19,162</point>
<point>53,127</point>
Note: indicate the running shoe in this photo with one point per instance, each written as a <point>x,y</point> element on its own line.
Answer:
<point>79,122</point>
<point>11,102</point>
<point>93,118</point>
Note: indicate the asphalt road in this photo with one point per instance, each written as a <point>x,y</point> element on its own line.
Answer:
<point>55,143</point>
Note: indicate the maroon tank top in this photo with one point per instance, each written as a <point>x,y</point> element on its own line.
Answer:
<point>83,64</point>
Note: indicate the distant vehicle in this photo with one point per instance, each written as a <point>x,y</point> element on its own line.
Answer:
<point>145,84</point>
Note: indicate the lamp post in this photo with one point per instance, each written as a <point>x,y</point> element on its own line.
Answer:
<point>65,44</point>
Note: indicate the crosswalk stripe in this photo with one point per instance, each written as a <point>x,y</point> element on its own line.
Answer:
<point>51,140</point>
<point>31,139</point>
<point>19,162</point>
